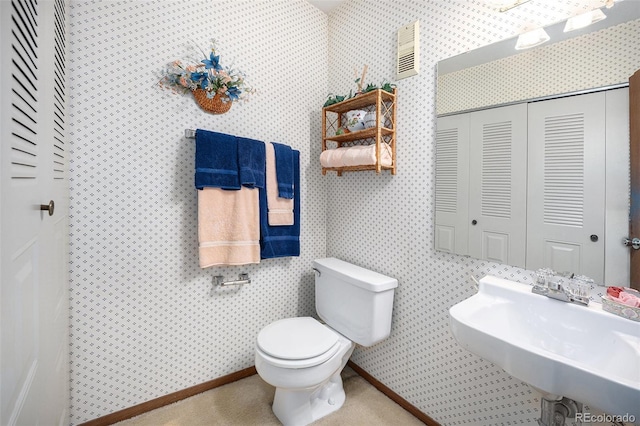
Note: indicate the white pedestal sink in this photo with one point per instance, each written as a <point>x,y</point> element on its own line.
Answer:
<point>580,352</point>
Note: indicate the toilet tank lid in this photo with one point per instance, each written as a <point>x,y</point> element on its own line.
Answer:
<point>356,275</point>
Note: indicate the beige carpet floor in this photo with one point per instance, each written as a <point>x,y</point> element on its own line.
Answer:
<point>248,402</point>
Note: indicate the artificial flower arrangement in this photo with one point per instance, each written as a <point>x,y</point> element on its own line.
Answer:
<point>213,86</point>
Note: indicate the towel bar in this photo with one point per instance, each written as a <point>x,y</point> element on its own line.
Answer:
<point>218,280</point>
<point>242,279</point>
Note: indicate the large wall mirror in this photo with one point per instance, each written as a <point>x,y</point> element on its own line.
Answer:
<point>532,162</point>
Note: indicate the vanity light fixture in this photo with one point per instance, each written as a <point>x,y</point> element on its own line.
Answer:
<point>584,20</point>
<point>532,38</point>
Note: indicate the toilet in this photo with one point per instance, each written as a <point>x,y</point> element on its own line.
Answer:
<point>303,357</point>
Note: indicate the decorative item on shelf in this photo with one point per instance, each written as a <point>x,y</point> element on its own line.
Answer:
<point>334,99</point>
<point>386,86</point>
<point>355,120</point>
<point>214,87</point>
<point>360,80</point>
<point>370,120</point>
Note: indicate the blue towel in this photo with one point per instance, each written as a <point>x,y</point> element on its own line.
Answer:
<point>216,160</point>
<point>284,169</point>
<point>281,241</point>
<point>251,159</point>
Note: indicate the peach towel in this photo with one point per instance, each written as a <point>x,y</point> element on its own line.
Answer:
<point>228,226</point>
<point>279,210</point>
<point>359,155</point>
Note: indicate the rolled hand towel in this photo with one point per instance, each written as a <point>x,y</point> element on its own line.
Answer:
<point>359,155</point>
<point>365,155</point>
<point>332,157</point>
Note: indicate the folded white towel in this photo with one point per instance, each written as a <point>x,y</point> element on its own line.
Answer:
<point>359,155</point>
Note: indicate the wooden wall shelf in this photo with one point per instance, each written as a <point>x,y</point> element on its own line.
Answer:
<point>380,101</point>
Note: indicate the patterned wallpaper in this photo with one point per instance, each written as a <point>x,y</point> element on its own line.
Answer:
<point>386,223</point>
<point>143,323</point>
<point>603,58</point>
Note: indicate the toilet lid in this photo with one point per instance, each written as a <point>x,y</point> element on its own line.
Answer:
<point>296,338</point>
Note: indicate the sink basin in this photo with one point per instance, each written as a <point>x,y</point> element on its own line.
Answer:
<point>580,352</point>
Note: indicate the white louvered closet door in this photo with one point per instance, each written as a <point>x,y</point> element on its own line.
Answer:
<point>497,178</point>
<point>34,245</point>
<point>566,190</point>
<point>452,184</point>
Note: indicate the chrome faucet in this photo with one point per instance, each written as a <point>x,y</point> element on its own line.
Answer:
<point>548,283</point>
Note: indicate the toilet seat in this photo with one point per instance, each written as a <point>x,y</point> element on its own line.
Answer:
<point>297,342</point>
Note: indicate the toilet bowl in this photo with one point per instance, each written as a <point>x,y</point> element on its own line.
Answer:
<point>303,358</point>
<point>306,375</point>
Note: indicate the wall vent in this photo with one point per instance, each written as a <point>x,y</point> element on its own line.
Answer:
<point>408,50</point>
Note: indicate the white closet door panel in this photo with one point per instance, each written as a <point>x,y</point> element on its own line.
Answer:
<point>562,256</point>
<point>452,184</point>
<point>34,296</point>
<point>616,264</point>
<point>497,176</point>
<point>495,246</point>
<point>566,184</point>
<point>445,238</point>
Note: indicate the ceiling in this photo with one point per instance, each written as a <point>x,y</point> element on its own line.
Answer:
<point>326,5</point>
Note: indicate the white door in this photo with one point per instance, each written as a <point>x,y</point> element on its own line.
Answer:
<point>617,256</point>
<point>33,244</point>
<point>497,176</point>
<point>452,184</point>
<point>566,200</point>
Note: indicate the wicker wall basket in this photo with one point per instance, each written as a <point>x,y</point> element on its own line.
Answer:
<point>213,105</point>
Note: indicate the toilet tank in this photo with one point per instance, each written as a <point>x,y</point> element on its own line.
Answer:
<point>354,301</point>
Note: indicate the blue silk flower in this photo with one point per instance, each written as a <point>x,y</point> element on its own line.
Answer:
<point>212,62</point>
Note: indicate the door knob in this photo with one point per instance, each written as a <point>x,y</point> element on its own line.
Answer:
<point>634,243</point>
<point>48,207</point>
